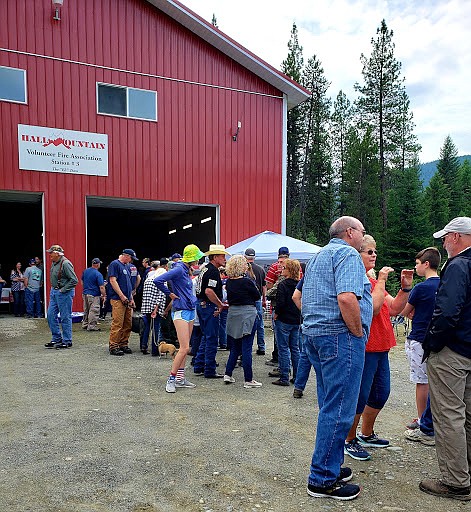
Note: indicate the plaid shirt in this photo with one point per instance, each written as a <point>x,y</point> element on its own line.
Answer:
<point>152,296</point>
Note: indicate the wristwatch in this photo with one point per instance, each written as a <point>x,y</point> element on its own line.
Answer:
<point>406,290</point>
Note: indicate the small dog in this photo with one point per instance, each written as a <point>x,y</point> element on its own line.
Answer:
<point>167,348</point>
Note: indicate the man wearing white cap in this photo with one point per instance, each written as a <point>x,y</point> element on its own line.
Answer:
<point>447,345</point>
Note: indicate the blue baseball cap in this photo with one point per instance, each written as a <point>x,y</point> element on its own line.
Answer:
<point>131,253</point>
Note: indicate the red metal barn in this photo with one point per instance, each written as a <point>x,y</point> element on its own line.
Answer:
<point>134,123</point>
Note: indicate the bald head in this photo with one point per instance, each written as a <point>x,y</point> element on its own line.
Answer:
<point>349,229</point>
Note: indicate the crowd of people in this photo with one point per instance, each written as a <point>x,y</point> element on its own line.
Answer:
<point>333,315</point>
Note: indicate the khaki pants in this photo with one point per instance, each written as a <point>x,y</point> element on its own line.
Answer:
<point>120,325</point>
<point>449,376</point>
<point>91,312</point>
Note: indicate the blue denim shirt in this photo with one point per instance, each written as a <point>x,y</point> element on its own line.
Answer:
<point>336,269</point>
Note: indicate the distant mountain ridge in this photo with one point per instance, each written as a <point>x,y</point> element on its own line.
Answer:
<point>430,168</point>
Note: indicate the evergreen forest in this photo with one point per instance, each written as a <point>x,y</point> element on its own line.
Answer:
<point>360,157</point>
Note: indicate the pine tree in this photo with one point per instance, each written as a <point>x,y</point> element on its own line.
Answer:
<point>317,185</point>
<point>437,203</point>
<point>464,185</point>
<point>408,146</point>
<point>380,103</point>
<point>408,227</point>
<point>448,167</point>
<point>341,123</point>
<point>360,188</point>
<point>292,67</point>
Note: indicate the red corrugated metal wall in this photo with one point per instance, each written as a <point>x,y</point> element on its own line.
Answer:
<point>187,156</point>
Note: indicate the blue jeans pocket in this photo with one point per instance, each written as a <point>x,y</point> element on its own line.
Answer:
<point>327,347</point>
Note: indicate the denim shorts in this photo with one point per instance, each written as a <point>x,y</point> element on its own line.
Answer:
<point>188,315</point>
<point>375,381</point>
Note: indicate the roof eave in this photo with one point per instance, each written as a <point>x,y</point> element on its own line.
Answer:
<point>295,93</point>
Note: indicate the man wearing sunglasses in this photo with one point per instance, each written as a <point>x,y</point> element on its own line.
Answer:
<point>447,345</point>
<point>337,310</point>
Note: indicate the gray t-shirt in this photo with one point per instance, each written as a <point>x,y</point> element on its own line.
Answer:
<point>34,276</point>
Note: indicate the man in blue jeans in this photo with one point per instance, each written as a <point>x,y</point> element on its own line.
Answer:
<point>63,283</point>
<point>208,308</point>
<point>337,310</point>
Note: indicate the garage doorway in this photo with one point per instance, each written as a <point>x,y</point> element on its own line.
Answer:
<point>154,229</point>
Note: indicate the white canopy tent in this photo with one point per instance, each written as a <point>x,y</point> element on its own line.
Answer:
<point>267,243</point>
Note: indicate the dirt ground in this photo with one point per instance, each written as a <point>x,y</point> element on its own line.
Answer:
<point>86,432</point>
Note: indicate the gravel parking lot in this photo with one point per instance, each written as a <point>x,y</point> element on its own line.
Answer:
<point>85,432</point>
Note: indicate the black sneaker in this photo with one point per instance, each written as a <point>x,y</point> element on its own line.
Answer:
<point>63,345</point>
<point>116,352</point>
<point>338,491</point>
<point>126,350</point>
<point>346,474</point>
<point>260,352</point>
<point>52,344</point>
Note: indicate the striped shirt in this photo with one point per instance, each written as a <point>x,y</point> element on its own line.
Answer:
<point>337,268</point>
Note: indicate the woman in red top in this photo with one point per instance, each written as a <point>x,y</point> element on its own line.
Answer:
<point>375,383</point>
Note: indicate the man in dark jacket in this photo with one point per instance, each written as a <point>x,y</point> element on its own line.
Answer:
<point>447,345</point>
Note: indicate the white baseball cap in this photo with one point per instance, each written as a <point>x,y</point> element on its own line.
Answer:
<point>457,225</point>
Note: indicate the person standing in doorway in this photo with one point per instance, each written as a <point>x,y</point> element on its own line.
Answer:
<point>93,293</point>
<point>63,283</point>
<point>18,290</point>
<point>122,302</point>
<point>33,278</point>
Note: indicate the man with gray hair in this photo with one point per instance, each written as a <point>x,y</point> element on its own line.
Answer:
<point>337,310</point>
<point>447,345</point>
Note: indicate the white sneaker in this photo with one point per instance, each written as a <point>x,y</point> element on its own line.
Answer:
<point>184,384</point>
<point>418,435</point>
<point>170,386</point>
<point>253,384</point>
<point>228,379</point>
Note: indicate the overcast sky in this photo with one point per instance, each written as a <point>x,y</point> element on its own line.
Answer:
<point>432,39</point>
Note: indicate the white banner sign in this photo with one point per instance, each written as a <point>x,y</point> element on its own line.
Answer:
<point>65,151</point>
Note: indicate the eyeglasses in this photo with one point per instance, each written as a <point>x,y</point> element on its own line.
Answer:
<point>371,252</point>
<point>443,238</point>
<point>362,231</point>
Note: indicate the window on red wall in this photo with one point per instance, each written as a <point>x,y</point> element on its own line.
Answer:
<point>12,84</point>
<point>115,100</point>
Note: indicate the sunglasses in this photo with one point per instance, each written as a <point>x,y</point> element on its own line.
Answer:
<point>371,252</point>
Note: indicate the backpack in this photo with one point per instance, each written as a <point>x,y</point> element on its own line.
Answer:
<point>271,293</point>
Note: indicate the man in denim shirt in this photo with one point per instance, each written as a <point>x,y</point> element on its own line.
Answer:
<point>337,310</point>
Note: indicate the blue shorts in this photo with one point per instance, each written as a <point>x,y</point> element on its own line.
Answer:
<point>187,315</point>
<point>375,382</point>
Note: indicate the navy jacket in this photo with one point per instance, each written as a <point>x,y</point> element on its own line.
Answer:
<point>451,321</point>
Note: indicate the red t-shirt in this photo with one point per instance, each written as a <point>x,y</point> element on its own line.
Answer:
<point>381,333</point>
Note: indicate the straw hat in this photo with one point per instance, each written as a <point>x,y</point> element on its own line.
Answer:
<point>216,249</point>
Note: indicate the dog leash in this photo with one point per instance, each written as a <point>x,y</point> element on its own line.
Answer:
<point>154,342</point>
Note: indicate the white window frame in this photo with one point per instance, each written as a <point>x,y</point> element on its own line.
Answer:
<point>127,116</point>
<point>24,85</point>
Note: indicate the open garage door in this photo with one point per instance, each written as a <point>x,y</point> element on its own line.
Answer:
<point>154,229</point>
<point>21,215</point>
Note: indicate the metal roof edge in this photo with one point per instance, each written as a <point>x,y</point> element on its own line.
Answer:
<point>295,92</point>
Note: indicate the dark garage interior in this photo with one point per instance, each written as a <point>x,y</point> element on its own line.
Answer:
<point>112,225</point>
